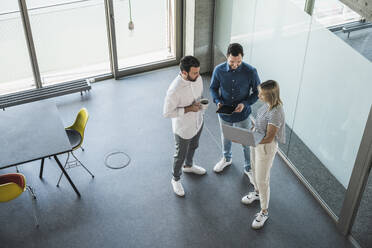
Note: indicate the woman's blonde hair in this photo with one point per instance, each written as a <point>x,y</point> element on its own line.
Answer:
<point>270,89</point>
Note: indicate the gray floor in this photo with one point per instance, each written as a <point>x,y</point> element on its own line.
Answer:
<point>135,206</point>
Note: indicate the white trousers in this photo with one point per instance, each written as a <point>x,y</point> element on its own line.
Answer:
<point>262,157</point>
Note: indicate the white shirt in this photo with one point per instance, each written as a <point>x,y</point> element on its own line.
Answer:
<point>182,93</point>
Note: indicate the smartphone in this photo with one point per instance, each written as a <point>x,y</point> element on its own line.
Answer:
<point>226,110</point>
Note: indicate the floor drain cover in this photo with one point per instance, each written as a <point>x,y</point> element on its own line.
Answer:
<point>117,160</point>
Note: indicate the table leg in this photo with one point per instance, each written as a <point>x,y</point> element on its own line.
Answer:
<point>41,168</point>
<point>66,175</point>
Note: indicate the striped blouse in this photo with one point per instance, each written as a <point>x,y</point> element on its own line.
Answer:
<point>274,117</point>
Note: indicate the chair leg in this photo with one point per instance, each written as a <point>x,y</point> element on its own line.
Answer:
<point>60,177</point>
<point>17,170</point>
<point>41,168</point>
<point>33,200</point>
<point>82,148</point>
<point>82,164</point>
<point>31,191</point>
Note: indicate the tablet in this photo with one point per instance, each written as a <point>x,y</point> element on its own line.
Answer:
<point>241,135</point>
<point>226,109</point>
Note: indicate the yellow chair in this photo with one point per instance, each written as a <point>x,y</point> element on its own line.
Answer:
<point>75,134</point>
<point>13,185</point>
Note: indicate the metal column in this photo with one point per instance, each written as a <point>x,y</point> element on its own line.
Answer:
<point>30,42</point>
<point>358,180</point>
<point>111,35</point>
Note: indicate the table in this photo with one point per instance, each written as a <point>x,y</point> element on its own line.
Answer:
<point>31,132</point>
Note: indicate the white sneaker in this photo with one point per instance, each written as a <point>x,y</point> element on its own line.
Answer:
<point>194,169</point>
<point>251,197</point>
<point>259,221</point>
<point>221,165</point>
<point>249,174</point>
<point>177,187</point>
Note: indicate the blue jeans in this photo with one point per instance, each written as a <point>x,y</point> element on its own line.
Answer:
<point>226,144</point>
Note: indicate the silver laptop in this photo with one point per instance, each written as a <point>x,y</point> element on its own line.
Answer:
<point>241,135</point>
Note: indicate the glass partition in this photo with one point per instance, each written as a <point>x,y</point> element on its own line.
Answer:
<point>144,31</point>
<point>333,12</point>
<point>359,40</point>
<point>70,39</point>
<point>15,67</point>
<point>300,3</point>
<point>242,26</point>
<point>325,87</point>
<point>330,119</point>
<point>222,30</point>
<point>278,50</point>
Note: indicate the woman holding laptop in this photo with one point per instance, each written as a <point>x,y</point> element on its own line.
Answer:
<point>270,121</point>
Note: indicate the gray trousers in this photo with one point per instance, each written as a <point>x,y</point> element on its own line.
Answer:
<point>185,149</point>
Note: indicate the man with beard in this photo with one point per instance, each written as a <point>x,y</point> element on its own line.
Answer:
<point>182,104</point>
<point>234,83</point>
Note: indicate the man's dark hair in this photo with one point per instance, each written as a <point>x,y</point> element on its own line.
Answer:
<point>187,62</point>
<point>234,49</point>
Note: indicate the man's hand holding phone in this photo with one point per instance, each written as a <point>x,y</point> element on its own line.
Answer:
<point>238,108</point>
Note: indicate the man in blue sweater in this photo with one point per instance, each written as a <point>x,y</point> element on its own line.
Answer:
<point>234,83</point>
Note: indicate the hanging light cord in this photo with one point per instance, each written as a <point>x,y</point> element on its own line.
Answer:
<point>130,11</point>
<point>130,24</point>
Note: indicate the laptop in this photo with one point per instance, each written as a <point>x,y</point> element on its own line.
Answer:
<point>241,135</point>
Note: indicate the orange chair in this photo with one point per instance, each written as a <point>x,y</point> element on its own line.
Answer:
<point>13,185</point>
